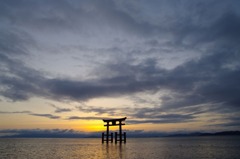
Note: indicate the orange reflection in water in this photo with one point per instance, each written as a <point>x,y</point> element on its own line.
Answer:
<point>113,151</point>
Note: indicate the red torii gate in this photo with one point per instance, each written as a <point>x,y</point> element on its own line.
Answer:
<point>114,122</point>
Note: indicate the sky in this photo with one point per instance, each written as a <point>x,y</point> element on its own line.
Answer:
<point>167,65</point>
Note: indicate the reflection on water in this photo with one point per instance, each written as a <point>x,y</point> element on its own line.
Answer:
<point>165,148</point>
<point>113,150</point>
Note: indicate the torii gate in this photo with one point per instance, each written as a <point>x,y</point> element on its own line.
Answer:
<point>114,122</point>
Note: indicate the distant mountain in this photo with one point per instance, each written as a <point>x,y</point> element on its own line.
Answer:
<point>222,133</point>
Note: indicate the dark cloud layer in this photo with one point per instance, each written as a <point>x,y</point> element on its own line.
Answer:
<point>212,77</point>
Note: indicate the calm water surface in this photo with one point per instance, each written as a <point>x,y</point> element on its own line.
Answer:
<point>149,148</point>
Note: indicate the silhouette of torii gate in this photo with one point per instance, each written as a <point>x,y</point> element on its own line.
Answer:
<point>114,122</point>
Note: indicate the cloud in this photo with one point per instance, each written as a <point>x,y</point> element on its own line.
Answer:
<point>16,112</point>
<point>143,115</point>
<point>60,110</point>
<point>18,81</point>
<point>129,77</point>
<point>192,58</point>
<point>85,118</point>
<point>88,18</point>
<point>212,82</point>
<point>158,115</point>
<point>228,122</point>
<point>99,110</point>
<point>50,116</point>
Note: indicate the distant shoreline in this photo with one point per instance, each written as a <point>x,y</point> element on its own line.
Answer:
<point>130,135</point>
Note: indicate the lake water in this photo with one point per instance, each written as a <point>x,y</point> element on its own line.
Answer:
<point>142,148</point>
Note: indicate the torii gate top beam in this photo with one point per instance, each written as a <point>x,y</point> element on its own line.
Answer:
<point>111,120</point>
<point>114,121</point>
